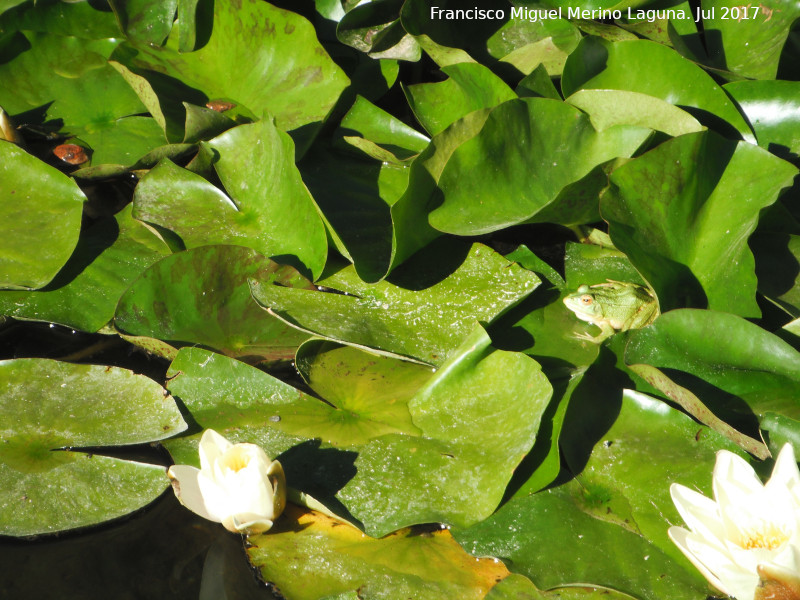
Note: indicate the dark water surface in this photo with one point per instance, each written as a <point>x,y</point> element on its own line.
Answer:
<point>161,552</point>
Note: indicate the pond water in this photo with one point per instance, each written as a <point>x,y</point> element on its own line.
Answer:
<point>163,552</point>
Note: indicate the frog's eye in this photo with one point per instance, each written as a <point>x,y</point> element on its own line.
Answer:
<point>586,299</point>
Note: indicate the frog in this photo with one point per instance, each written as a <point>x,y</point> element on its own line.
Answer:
<point>613,306</point>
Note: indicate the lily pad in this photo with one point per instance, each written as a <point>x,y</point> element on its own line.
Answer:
<point>749,39</point>
<point>629,65</point>
<point>201,296</point>
<point>66,83</point>
<point>523,44</point>
<point>368,389</point>
<point>48,407</point>
<point>607,108</point>
<point>773,111</point>
<point>84,294</point>
<point>273,214</point>
<point>145,21</point>
<point>258,56</point>
<point>603,444</point>
<point>41,219</point>
<point>735,366</point>
<point>591,552</point>
<point>80,19</point>
<point>391,138</point>
<point>374,27</point>
<point>369,402</point>
<point>469,87</point>
<point>525,177</point>
<point>355,194</point>
<point>710,186</point>
<point>471,415</point>
<point>338,558</point>
<point>424,313</point>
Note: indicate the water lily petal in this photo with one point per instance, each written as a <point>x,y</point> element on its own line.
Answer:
<point>212,447</point>
<point>785,474</point>
<point>187,489</point>
<point>733,478</point>
<point>701,514</point>
<point>690,544</point>
<point>248,524</point>
<point>789,557</point>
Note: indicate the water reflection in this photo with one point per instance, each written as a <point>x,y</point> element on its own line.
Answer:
<point>163,552</point>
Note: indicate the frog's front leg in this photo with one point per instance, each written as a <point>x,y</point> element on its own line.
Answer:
<point>606,331</point>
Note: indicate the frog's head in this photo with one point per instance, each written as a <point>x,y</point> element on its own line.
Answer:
<point>584,304</point>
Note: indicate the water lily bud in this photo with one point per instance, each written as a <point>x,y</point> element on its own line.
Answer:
<point>7,130</point>
<point>237,485</point>
<point>745,542</point>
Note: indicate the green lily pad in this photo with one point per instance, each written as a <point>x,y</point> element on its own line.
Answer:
<point>389,138</point>
<point>590,551</point>
<point>48,406</point>
<point>80,19</point>
<point>477,425</point>
<point>409,213</point>
<point>84,294</point>
<point>66,83</point>
<point>607,108</point>
<point>715,188</point>
<point>201,296</point>
<point>338,558</point>
<point>41,219</point>
<point>748,39</point>
<point>629,65</point>
<point>274,214</point>
<point>365,397</point>
<point>124,141</point>
<point>355,194</point>
<point>424,313</point>
<point>469,87</point>
<point>555,146</point>
<point>537,84</point>
<point>737,368</point>
<point>257,56</point>
<point>523,44</point>
<point>777,259</point>
<point>145,21</point>
<point>368,389</point>
<point>603,444</point>
<point>773,111</point>
<point>374,27</point>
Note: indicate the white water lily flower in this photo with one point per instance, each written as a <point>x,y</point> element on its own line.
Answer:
<point>237,485</point>
<point>748,537</point>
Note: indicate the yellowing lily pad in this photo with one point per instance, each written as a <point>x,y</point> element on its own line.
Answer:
<point>337,558</point>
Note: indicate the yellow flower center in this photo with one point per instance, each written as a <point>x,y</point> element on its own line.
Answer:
<point>236,460</point>
<point>767,536</point>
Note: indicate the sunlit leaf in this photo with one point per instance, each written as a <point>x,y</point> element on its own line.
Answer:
<point>709,186</point>
<point>47,407</point>
<point>339,558</point>
<point>425,312</point>
<point>201,296</point>
<point>555,146</point>
<point>40,216</point>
